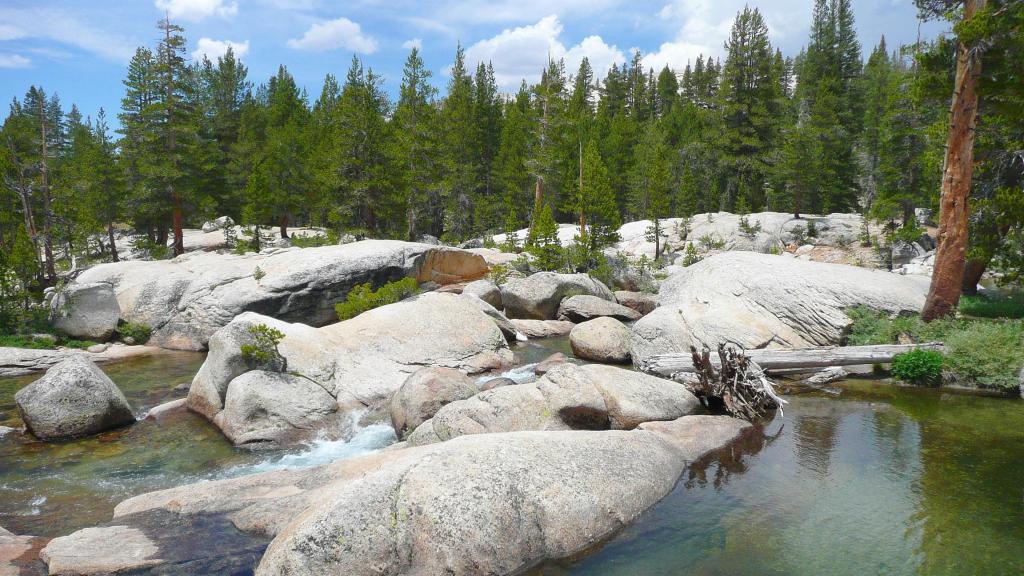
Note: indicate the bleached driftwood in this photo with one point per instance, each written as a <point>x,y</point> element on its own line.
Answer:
<point>786,359</point>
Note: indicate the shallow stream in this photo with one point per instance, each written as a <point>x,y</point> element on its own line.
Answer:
<point>877,480</point>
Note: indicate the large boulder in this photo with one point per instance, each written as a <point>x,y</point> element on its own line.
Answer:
<point>74,398</point>
<point>538,296</point>
<point>485,290</point>
<point>482,504</point>
<point>425,392</point>
<point>583,308</point>
<point>357,364</point>
<point>187,299</point>
<point>588,397</point>
<point>86,310</point>
<point>602,339</point>
<point>760,300</point>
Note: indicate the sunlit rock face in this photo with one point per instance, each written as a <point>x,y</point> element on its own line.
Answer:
<point>187,299</point>
<point>332,371</point>
<point>760,300</point>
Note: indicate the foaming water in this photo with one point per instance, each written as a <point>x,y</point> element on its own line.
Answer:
<point>366,440</point>
<point>520,374</point>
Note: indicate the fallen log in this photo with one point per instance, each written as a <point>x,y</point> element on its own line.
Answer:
<point>786,359</point>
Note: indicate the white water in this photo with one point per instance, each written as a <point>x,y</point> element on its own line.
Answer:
<point>365,440</point>
<point>521,374</point>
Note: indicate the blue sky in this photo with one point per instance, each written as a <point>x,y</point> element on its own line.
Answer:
<point>80,48</point>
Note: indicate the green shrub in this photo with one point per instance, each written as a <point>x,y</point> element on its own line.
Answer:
<point>363,297</point>
<point>918,367</point>
<point>137,331</point>
<point>709,242</point>
<point>78,344</point>
<point>258,274</point>
<point>263,352</point>
<point>691,256</point>
<point>1005,305</point>
<point>979,352</point>
<point>812,229</point>
<point>329,238</point>
<point>988,354</point>
<point>499,274</point>
<point>747,229</point>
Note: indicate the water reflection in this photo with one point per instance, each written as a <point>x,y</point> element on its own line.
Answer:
<point>882,481</point>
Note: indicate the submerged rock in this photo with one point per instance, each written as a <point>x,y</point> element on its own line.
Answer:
<point>760,300</point>
<point>538,296</point>
<point>602,339</point>
<point>74,398</point>
<point>187,299</point>
<point>548,364</point>
<point>351,365</point>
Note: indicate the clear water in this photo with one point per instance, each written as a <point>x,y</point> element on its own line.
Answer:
<point>50,489</point>
<point>879,480</point>
<point>883,480</point>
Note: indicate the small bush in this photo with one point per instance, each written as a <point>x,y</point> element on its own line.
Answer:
<point>263,352</point>
<point>363,297</point>
<point>812,229</point>
<point>799,234</point>
<point>77,344</point>
<point>137,331</point>
<point>709,242</point>
<point>982,353</point>
<point>988,354</point>
<point>747,229</point>
<point>258,274</point>
<point>312,240</point>
<point>918,367</point>
<point>499,274</point>
<point>690,256</point>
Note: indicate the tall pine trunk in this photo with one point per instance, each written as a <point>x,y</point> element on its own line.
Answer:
<point>950,255</point>
<point>177,223</point>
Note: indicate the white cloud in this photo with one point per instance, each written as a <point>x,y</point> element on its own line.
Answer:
<point>522,53</point>
<point>14,61</point>
<point>66,28</point>
<point>196,10</point>
<point>214,49</point>
<point>8,32</point>
<point>416,43</point>
<point>333,34</point>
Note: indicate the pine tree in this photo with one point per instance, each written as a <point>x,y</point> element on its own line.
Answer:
<point>415,126</point>
<point>280,182</point>
<point>170,118</point>
<point>594,201</point>
<point>547,154</point>
<point>750,99</point>
<point>362,159</point>
<point>459,157</point>
<point>511,174</point>
<point>487,116</point>
<point>649,183</point>
<point>543,242</point>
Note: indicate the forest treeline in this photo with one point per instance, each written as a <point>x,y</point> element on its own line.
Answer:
<point>826,130</point>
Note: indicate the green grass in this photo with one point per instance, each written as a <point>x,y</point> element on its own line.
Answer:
<point>1003,305</point>
<point>27,341</point>
<point>987,353</point>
